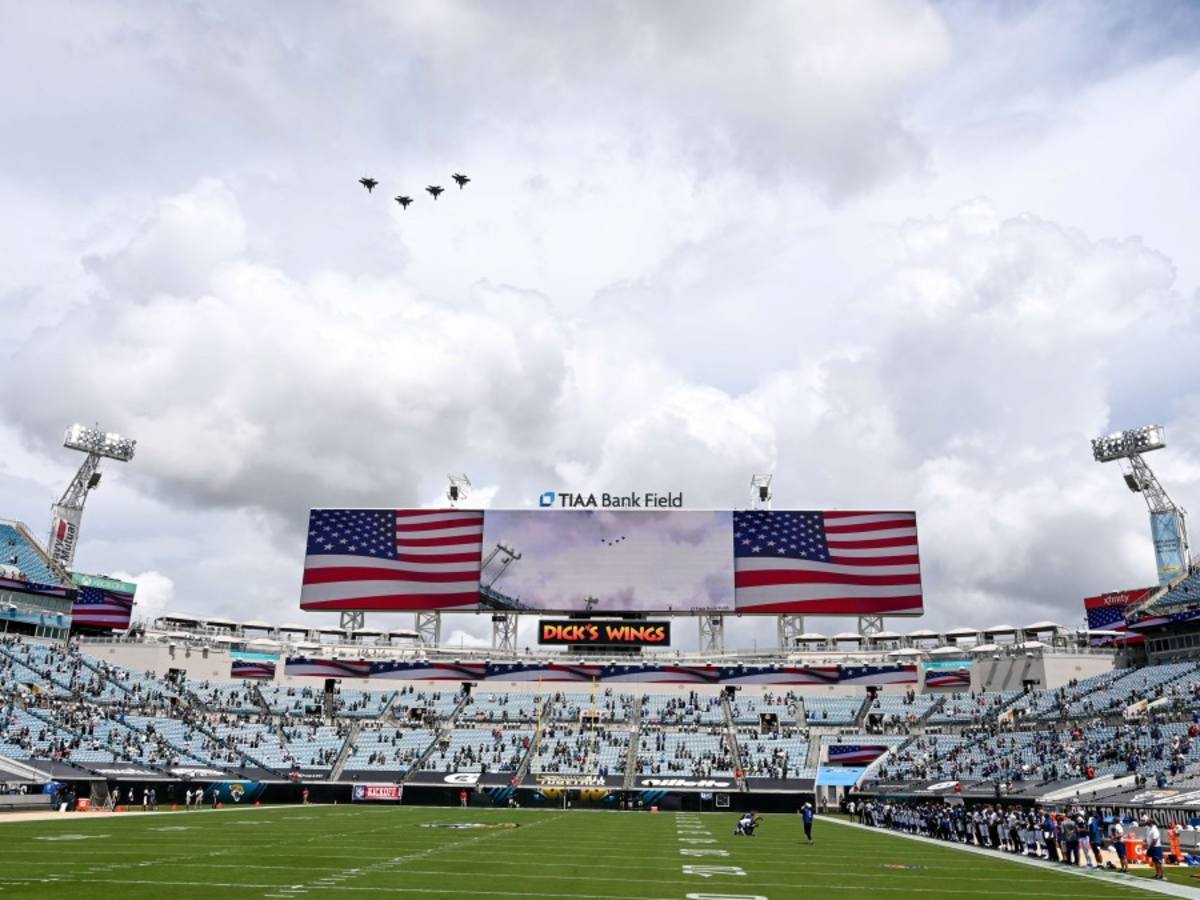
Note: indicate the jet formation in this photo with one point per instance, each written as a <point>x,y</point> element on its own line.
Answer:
<point>404,199</point>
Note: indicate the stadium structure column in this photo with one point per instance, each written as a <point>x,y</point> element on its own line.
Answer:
<point>712,633</point>
<point>869,625</point>
<point>504,632</point>
<point>790,628</point>
<point>428,626</point>
<point>352,621</point>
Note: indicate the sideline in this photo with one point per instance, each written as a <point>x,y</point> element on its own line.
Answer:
<point>105,815</point>
<point>1131,881</point>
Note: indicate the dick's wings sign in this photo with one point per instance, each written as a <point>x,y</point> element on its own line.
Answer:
<point>605,634</point>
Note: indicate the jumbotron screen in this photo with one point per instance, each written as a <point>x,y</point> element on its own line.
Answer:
<point>614,561</point>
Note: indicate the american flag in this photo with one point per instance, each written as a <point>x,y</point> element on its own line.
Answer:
<point>850,754</point>
<point>97,607</point>
<point>834,563</point>
<point>1107,613</point>
<point>392,559</point>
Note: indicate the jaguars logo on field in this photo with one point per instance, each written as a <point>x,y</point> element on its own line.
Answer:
<point>237,792</point>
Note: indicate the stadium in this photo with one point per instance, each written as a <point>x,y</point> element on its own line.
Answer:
<point>636,450</point>
<point>347,745</point>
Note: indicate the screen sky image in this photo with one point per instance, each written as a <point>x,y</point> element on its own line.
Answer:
<point>629,562</point>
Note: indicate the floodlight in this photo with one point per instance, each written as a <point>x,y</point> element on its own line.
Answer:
<point>1124,444</point>
<point>101,443</point>
<point>460,487</point>
<point>761,486</point>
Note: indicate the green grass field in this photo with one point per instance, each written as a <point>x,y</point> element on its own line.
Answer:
<point>360,852</point>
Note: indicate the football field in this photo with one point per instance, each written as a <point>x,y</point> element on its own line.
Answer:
<point>363,852</point>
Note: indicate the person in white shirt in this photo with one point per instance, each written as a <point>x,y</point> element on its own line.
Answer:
<point>1117,834</point>
<point>1154,847</point>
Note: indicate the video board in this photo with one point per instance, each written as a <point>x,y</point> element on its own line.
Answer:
<point>807,562</point>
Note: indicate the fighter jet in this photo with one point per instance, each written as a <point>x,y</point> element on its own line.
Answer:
<point>461,180</point>
<point>368,183</point>
<point>403,201</point>
<point>435,190</point>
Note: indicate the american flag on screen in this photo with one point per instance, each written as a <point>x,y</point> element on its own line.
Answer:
<point>837,563</point>
<point>392,559</point>
<point>96,607</point>
<point>1107,613</point>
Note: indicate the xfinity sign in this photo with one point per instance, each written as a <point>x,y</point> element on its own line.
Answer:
<point>604,500</point>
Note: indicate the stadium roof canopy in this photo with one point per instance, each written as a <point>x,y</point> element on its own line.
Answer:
<point>907,651</point>
<point>984,648</point>
<point>1001,629</point>
<point>885,636</point>
<point>224,623</point>
<point>958,632</point>
<point>923,633</point>
<point>848,636</point>
<point>293,627</point>
<point>1044,626</point>
<point>180,617</point>
<point>257,623</point>
<point>948,651</point>
<point>812,636</point>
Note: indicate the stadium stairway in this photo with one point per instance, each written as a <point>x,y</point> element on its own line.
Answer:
<point>198,705</point>
<point>385,711</point>
<point>264,707</point>
<point>635,740</point>
<point>15,770</point>
<point>441,733</point>
<point>48,675</point>
<point>923,720</point>
<point>731,742</point>
<point>535,744</point>
<point>860,718</point>
<point>895,750</point>
<point>339,764</point>
<point>76,733</point>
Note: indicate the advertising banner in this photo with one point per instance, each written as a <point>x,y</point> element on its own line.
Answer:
<point>556,632</point>
<point>252,668</point>
<point>613,673</point>
<point>854,754</point>
<point>370,792</point>
<point>947,674</point>
<point>768,562</point>
<point>102,602</point>
<point>1166,529</point>
<point>571,781</point>
<point>64,534</point>
<point>1106,612</point>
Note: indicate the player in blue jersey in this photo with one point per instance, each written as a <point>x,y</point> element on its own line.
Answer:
<point>808,814</point>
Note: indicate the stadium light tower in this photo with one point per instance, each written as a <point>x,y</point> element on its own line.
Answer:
<point>760,486</point>
<point>459,489</point>
<point>67,513</point>
<point>1168,522</point>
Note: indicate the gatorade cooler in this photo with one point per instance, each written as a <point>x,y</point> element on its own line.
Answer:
<point>1135,850</point>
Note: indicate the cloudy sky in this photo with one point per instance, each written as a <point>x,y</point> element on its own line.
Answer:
<point>903,255</point>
